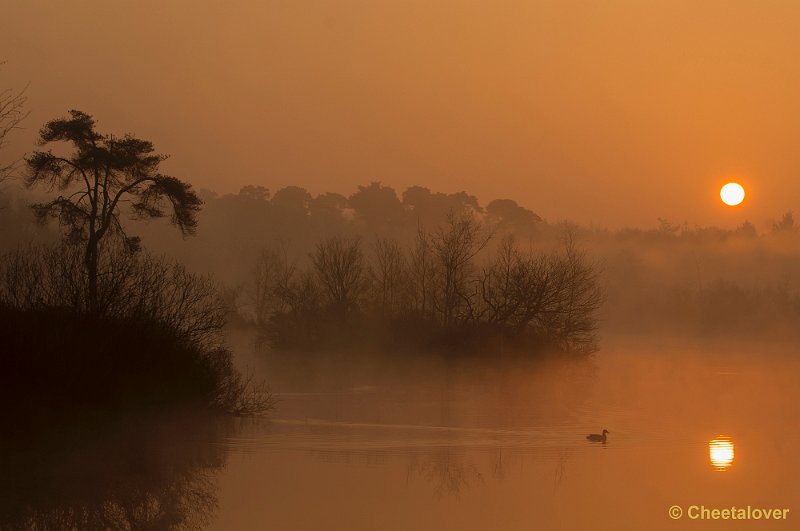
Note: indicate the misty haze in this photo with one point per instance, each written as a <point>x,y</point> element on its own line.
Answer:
<point>399,265</point>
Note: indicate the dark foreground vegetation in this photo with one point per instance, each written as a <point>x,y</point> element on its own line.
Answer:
<point>95,328</point>
<point>155,342</point>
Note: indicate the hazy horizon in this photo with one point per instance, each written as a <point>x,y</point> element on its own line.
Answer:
<point>609,114</point>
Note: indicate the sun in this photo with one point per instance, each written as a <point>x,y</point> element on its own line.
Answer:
<point>732,194</point>
<point>721,452</point>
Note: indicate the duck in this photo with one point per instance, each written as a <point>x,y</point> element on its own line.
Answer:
<point>598,438</point>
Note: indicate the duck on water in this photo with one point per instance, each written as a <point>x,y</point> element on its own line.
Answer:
<point>598,438</point>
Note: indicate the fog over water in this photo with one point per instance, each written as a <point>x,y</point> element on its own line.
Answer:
<point>501,446</point>
<point>360,441</point>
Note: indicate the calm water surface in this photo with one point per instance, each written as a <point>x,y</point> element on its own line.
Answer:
<point>409,445</point>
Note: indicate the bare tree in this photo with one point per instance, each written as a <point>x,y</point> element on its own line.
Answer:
<point>339,265</point>
<point>101,175</point>
<point>553,296</point>
<point>518,289</point>
<point>455,246</point>
<point>579,298</point>
<point>548,298</point>
<point>505,287</point>
<point>388,273</point>
<point>282,288</point>
<point>134,287</point>
<point>273,274</point>
<point>12,112</point>
<point>422,274</point>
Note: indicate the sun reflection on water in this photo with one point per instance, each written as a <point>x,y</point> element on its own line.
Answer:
<point>721,452</point>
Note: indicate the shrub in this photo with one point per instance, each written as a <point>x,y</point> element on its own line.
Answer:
<point>156,342</point>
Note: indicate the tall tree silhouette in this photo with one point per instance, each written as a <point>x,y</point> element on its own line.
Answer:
<point>101,175</point>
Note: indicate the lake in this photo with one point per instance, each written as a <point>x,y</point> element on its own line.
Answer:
<point>363,445</point>
<point>366,441</point>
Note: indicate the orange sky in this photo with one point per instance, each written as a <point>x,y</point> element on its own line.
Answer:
<point>608,112</point>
